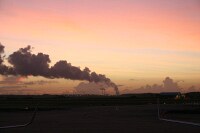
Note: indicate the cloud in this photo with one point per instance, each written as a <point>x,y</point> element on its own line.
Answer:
<point>135,80</point>
<point>88,88</point>
<point>92,88</point>
<point>4,70</point>
<point>12,87</point>
<point>39,82</point>
<point>120,85</point>
<point>168,86</point>
<point>17,80</point>
<point>9,83</point>
<point>24,63</point>
<point>16,85</point>
<point>11,80</point>
<point>193,89</point>
<point>17,90</point>
<point>1,52</point>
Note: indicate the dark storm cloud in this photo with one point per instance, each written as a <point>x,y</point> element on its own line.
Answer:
<point>25,63</point>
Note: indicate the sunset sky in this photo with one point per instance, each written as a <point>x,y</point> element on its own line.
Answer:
<point>133,42</point>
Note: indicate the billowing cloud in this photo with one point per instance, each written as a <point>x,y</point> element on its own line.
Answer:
<point>4,70</point>
<point>25,63</point>
<point>1,51</point>
<point>168,86</point>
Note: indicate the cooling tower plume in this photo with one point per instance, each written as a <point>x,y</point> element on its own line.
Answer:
<point>4,70</point>
<point>25,63</point>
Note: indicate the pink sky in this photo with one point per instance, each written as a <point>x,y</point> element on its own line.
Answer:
<point>146,40</point>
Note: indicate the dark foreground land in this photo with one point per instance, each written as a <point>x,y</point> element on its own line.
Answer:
<point>95,115</point>
<point>101,119</point>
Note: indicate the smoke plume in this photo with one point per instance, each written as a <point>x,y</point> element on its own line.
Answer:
<point>25,63</point>
<point>4,70</point>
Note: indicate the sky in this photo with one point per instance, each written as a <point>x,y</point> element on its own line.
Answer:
<point>133,42</point>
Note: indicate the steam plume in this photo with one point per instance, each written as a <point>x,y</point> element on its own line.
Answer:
<point>25,63</point>
<point>4,70</point>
